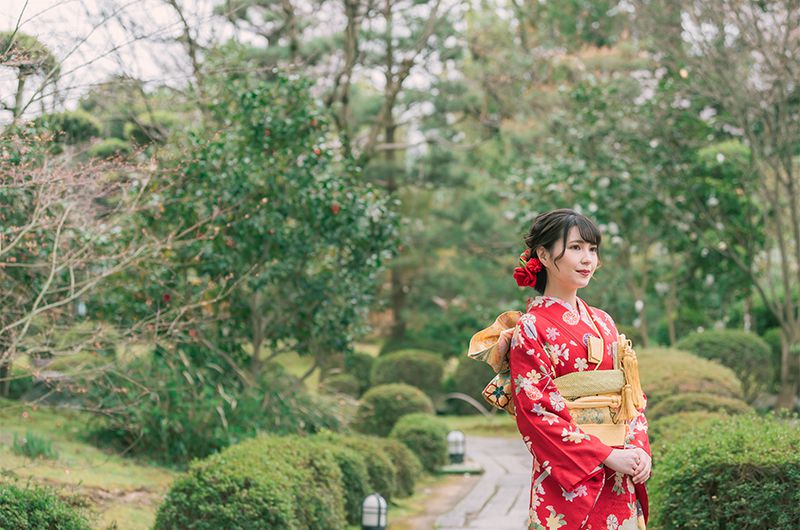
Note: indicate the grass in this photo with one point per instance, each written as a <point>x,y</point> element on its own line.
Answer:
<point>118,489</point>
<point>500,424</point>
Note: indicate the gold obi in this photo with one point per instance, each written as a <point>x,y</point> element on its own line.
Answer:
<point>594,400</point>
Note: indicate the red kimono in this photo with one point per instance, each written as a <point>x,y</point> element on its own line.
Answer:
<point>571,488</point>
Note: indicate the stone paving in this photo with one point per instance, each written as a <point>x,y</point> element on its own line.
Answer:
<point>500,499</point>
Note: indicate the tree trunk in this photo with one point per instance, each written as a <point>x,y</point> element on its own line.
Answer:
<point>17,110</point>
<point>5,378</point>
<point>788,392</point>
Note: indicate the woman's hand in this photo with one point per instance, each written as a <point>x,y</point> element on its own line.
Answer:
<point>642,470</point>
<point>623,460</point>
<point>504,341</point>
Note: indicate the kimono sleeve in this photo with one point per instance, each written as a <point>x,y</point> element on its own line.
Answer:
<point>542,417</point>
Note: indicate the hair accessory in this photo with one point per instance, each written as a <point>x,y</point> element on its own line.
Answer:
<point>525,275</point>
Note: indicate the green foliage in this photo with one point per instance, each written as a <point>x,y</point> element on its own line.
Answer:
<point>28,54</point>
<point>470,377</point>
<point>149,127</point>
<point>417,368</point>
<point>355,476</point>
<point>70,127</point>
<point>666,372</point>
<point>35,508</point>
<point>409,468</point>
<point>696,401</point>
<point>359,365</point>
<point>33,446</point>
<point>343,384</point>
<point>383,474</point>
<point>743,473</point>
<point>179,404</point>
<point>426,436</point>
<point>745,353</point>
<point>110,147</point>
<point>267,482</point>
<point>382,405</point>
<point>772,336</point>
<point>671,429</point>
<point>633,333</point>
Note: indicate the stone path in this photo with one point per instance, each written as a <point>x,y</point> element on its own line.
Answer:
<point>500,499</point>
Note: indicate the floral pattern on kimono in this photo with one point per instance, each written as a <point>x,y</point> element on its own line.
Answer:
<point>570,486</point>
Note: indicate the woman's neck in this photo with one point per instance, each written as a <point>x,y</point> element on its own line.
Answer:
<point>568,295</point>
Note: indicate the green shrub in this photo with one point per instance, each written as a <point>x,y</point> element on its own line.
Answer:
<point>35,508</point>
<point>773,337</point>
<point>355,475</point>
<point>409,468</point>
<point>359,365</point>
<point>150,127</point>
<point>666,372</point>
<point>33,446</point>
<point>693,401</point>
<point>470,377</point>
<point>382,472</point>
<point>193,409</point>
<point>669,429</point>
<point>383,405</point>
<point>110,147</point>
<point>70,127</point>
<point>342,383</point>
<point>745,353</point>
<point>267,482</point>
<point>418,368</point>
<point>744,474</point>
<point>426,436</point>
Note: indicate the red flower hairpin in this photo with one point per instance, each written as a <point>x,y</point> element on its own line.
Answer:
<point>530,267</point>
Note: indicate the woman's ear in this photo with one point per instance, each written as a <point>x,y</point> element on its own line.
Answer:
<point>541,253</point>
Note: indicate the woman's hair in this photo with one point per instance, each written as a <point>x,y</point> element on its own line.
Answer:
<point>549,227</point>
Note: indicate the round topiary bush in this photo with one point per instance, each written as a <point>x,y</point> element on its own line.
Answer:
<point>745,353</point>
<point>470,377</point>
<point>426,436</point>
<point>694,401</point>
<point>409,468</point>
<point>744,473</point>
<point>670,429</point>
<point>666,372</point>
<point>36,507</point>
<point>267,482</point>
<point>342,384</point>
<point>355,475</point>
<point>383,405</point>
<point>382,472</point>
<point>359,365</point>
<point>418,368</point>
<point>70,127</point>
<point>110,147</point>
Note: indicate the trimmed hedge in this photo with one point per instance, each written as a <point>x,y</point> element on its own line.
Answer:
<point>744,474</point>
<point>666,372</point>
<point>359,365</point>
<point>37,508</point>
<point>749,356</point>
<point>382,472</point>
<point>267,482</point>
<point>670,429</point>
<point>409,468</point>
<point>110,147</point>
<point>71,127</point>
<point>426,436</point>
<point>696,401</point>
<point>383,405</point>
<point>470,377</point>
<point>342,384</point>
<point>418,368</point>
<point>355,476</point>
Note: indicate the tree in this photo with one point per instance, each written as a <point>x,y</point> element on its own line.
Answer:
<point>29,57</point>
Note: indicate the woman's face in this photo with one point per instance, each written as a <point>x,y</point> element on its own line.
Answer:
<point>575,268</point>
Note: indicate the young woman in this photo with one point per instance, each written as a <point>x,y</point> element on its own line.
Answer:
<point>574,387</point>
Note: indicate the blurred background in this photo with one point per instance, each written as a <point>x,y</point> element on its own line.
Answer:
<point>226,218</point>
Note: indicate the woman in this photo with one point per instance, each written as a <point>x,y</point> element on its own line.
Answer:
<point>591,455</point>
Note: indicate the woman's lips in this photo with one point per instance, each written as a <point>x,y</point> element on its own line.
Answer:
<point>585,273</point>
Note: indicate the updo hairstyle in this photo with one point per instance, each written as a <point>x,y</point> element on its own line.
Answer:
<point>551,226</point>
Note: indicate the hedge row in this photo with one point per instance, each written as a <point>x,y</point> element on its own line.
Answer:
<point>289,482</point>
<point>35,507</point>
<point>742,472</point>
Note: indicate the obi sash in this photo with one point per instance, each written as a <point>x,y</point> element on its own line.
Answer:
<point>600,402</point>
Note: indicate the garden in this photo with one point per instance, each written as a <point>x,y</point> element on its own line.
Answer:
<point>244,246</point>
